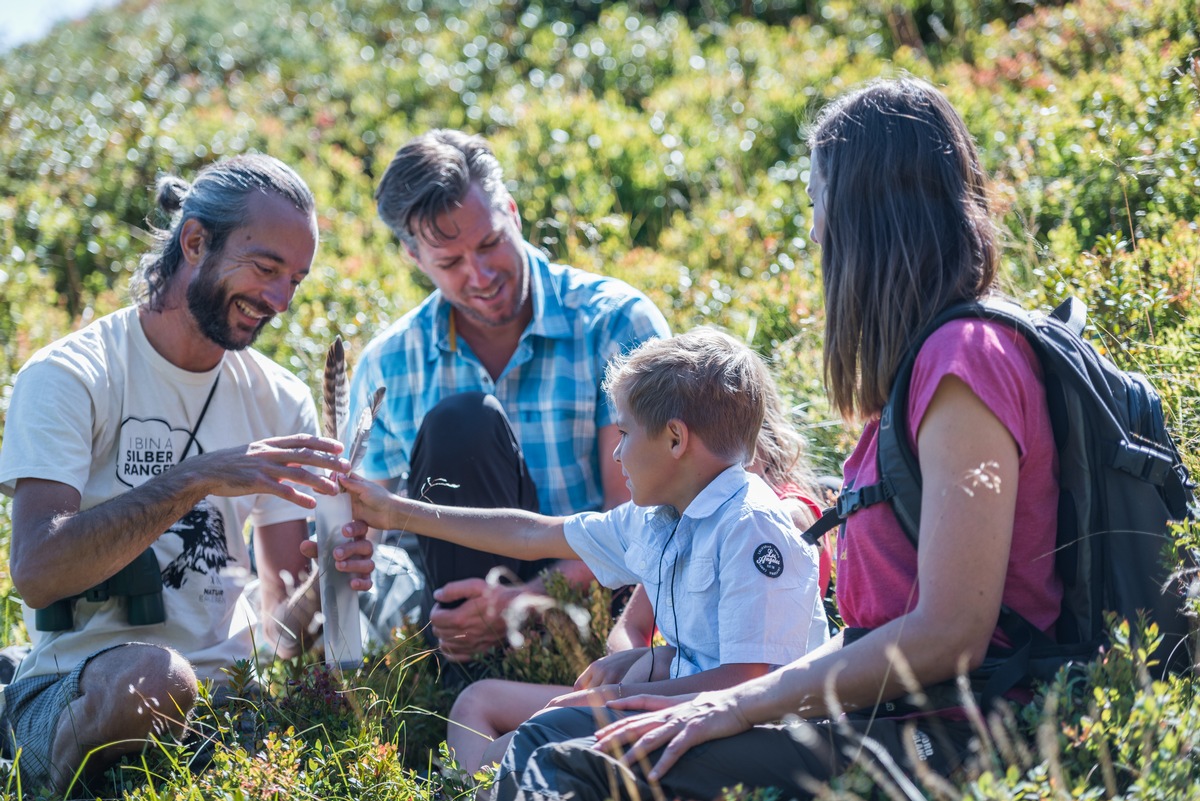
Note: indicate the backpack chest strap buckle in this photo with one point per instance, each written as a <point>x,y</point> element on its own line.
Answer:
<point>853,500</point>
<point>1142,462</point>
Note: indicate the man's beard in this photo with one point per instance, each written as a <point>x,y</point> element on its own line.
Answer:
<point>516,308</point>
<point>209,304</point>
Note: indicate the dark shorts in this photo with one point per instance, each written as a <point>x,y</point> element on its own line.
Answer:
<point>552,758</point>
<point>32,708</point>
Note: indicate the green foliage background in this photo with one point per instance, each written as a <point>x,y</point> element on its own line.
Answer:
<point>659,142</point>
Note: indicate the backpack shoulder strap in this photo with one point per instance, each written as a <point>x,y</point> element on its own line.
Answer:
<point>899,473</point>
<point>898,467</point>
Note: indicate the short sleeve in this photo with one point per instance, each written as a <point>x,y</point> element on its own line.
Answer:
<point>770,611</point>
<point>271,509</point>
<point>601,540</point>
<point>385,450</point>
<point>996,364</point>
<point>48,430</point>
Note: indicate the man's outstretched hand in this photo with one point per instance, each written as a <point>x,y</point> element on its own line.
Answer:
<point>273,466</point>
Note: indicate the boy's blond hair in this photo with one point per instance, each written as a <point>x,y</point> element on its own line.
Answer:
<point>712,382</point>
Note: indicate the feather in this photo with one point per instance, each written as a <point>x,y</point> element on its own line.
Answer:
<point>362,432</point>
<point>336,391</point>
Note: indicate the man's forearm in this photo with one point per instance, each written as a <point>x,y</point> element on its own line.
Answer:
<point>59,552</point>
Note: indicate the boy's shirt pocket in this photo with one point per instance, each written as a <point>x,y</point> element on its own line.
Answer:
<point>702,572</point>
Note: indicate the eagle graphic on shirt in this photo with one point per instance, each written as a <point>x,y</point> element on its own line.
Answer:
<point>205,551</point>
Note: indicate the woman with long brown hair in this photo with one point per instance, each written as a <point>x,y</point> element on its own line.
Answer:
<point>901,213</point>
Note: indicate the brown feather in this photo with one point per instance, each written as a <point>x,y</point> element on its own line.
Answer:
<point>336,391</point>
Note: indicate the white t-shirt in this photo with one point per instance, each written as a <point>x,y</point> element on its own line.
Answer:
<point>102,411</point>
<point>730,580</point>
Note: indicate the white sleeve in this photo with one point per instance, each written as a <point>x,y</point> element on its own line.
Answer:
<point>48,430</point>
<point>271,509</point>
<point>770,611</point>
<point>601,541</point>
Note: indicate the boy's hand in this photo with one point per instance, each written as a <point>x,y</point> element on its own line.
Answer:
<point>372,504</point>
<point>611,669</point>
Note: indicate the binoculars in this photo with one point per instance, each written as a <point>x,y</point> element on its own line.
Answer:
<point>139,583</point>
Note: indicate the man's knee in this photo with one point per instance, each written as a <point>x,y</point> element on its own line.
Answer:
<point>141,680</point>
<point>462,425</point>
<point>466,440</point>
<point>58,720</point>
<point>470,411</point>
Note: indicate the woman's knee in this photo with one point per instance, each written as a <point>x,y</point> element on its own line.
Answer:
<point>546,727</point>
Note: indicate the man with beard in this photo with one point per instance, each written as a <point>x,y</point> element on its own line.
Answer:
<point>134,432</point>
<point>493,383</point>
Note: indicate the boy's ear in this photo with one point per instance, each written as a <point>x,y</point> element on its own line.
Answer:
<point>677,434</point>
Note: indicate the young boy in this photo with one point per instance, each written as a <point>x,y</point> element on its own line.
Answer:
<point>734,588</point>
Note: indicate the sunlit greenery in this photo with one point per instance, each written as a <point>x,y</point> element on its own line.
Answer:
<point>662,143</point>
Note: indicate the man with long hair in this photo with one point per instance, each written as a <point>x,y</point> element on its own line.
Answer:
<point>136,450</point>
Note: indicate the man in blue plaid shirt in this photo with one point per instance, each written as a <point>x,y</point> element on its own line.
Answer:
<point>493,382</point>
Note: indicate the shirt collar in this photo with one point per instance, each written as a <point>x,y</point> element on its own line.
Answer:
<point>717,493</point>
<point>549,311</point>
<point>440,342</point>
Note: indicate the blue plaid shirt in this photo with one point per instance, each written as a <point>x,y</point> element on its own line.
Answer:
<point>550,388</point>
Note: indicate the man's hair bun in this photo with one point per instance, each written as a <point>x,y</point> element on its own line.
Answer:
<point>171,191</point>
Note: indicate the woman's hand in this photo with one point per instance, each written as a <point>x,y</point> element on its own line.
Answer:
<point>677,726</point>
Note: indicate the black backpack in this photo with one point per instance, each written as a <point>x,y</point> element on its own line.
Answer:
<point>1121,484</point>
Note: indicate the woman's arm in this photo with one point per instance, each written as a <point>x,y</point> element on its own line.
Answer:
<point>969,466</point>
